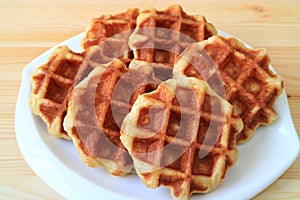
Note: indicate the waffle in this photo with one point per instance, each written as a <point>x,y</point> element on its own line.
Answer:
<point>178,139</point>
<point>98,106</point>
<point>53,82</point>
<point>160,36</point>
<point>249,84</point>
<point>111,32</point>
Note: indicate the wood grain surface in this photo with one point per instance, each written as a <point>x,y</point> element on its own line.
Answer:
<point>30,27</point>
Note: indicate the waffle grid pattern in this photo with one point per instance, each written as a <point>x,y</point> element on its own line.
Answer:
<point>186,153</point>
<point>111,32</point>
<point>51,84</point>
<point>250,85</point>
<point>157,37</point>
<point>105,98</point>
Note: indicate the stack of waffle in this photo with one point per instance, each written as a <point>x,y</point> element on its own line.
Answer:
<point>158,93</point>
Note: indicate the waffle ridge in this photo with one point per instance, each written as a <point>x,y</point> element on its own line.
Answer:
<point>250,86</point>
<point>51,84</point>
<point>112,33</point>
<point>183,154</point>
<point>160,36</point>
<point>99,104</point>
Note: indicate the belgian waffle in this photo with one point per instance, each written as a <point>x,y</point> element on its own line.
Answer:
<point>160,36</point>
<point>182,136</point>
<point>98,106</point>
<point>111,32</point>
<point>53,82</point>
<point>249,84</point>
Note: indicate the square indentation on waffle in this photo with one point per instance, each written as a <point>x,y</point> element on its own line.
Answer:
<point>161,56</point>
<point>57,90</point>
<point>254,85</point>
<point>242,104</point>
<point>210,132</point>
<point>50,111</point>
<point>175,156</point>
<point>196,62</point>
<point>164,26</point>
<point>235,66</point>
<point>67,69</point>
<point>180,125</point>
<point>147,149</point>
<point>259,84</point>
<point>205,166</point>
<point>152,118</point>
<point>190,31</point>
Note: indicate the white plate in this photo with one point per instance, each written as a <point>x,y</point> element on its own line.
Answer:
<point>262,160</point>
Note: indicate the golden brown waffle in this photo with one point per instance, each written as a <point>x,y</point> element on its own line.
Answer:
<point>182,136</point>
<point>53,82</point>
<point>96,111</point>
<point>250,86</point>
<point>160,36</point>
<point>101,31</point>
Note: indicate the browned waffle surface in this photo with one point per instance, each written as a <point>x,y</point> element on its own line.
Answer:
<point>250,86</point>
<point>96,111</point>
<point>161,71</point>
<point>51,84</point>
<point>182,136</point>
<point>111,32</point>
<point>160,36</point>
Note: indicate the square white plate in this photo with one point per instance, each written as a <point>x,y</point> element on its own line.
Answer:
<point>261,160</point>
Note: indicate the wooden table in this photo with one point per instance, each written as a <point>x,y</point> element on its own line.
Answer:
<point>28,28</point>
